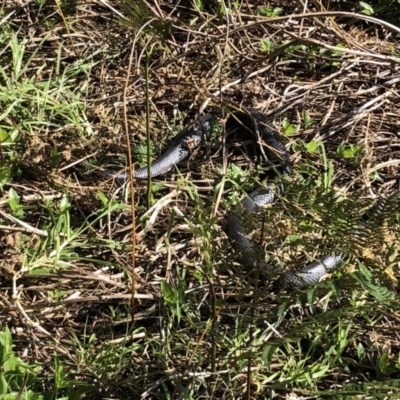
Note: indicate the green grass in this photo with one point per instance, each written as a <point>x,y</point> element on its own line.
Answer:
<point>20,380</point>
<point>38,102</point>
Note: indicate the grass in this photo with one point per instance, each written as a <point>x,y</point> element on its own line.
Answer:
<point>35,100</point>
<point>204,326</point>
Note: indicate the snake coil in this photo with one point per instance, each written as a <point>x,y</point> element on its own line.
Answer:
<point>181,148</point>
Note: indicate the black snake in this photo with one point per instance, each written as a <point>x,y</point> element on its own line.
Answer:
<point>181,148</point>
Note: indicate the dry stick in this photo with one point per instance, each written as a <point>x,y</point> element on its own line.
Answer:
<point>90,278</point>
<point>320,82</point>
<point>302,20</point>
<point>253,305</point>
<point>113,9</point>
<point>162,118</point>
<point>210,324</point>
<point>339,31</point>
<point>224,166</point>
<point>148,138</point>
<point>29,321</point>
<point>60,11</point>
<point>23,385</point>
<point>132,172</point>
<point>332,106</point>
<point>18,305</point>
<point>365,167</point>
<point>24,225</point>
<point>355,115</point>
<point>395,60</point>
<point>76,162</point>
<point>86,299</point>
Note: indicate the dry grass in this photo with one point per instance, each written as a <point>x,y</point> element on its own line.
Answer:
<point>66,268</point>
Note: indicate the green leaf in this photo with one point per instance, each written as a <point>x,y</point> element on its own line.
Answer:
<point>308,121</point>
<point>56,156</point>
<point>294,238</point>
<point>367,9</point>
<point>365,271</point>
<point>3,385</point>
<point>360,352</point>
<point>14,203</point>
<point>338,53</point>
<point>321,372</point>
<point>5,345</point>
<point>312,147</point>
<point>266,45</point>
<point>64,204</point>
<point>5,174</point>
<point>39,271</point>
<point>173,297</point>
<point>267,354</point>
<point>168,292</point>
<point>384,364</point>
<point>4,137</point>
<point>59,379</point>
<point>349,151</point>
<point>288,128</point>
<point>102,197</point>
<point>381,293</point>
<point>270,12</point>
<point>57,294</point>
<point>157,187</point>
<point>9,365</point>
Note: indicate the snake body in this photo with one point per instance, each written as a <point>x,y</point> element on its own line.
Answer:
<point>178,151</point>
<point>310,274</point>
<point>181,148</point>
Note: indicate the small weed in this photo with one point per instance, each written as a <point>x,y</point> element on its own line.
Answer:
<point>21,380</point>
<point>288,128</point>
<point>15,205</point>
<point>15,375</point>
<point>63,243</point>
<point>174,297</point>
<point>35,99</point>
<point>140,152</point>
<point>308,121</point>
<point>350,151</point>
<point>270,12</point>
<point>199,4</point>
<point>316,56</point>
<point>240,181</point>
<point>267,45</point>
<point>366,8</point>
<point>214,134</point>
